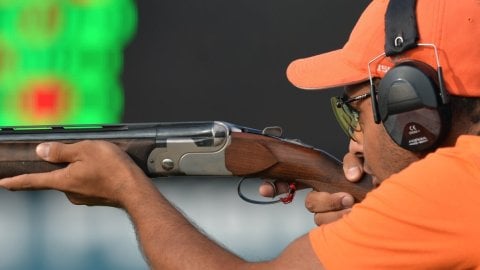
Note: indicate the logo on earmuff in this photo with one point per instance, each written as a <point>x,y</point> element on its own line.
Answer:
<point>415,134</point>
<point>412,130</point>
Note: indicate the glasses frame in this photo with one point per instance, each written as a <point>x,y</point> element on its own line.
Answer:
<point>341,107</point>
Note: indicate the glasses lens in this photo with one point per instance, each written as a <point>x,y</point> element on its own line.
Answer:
<point>346,116</point>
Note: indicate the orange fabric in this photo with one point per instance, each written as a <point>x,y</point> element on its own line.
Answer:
<point>452,26</point>
<point>425,217</point>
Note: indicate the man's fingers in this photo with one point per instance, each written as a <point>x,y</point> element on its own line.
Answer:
<point>324,218</point>
<point>267,189</point>
<point>275,188</point>
<point>318,202</point>
<point>328,207</point>
<point>57,152</point>
<point>36,181</point>
<point>272,189</point>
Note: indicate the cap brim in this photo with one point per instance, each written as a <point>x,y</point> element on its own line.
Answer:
<point>324,71</point>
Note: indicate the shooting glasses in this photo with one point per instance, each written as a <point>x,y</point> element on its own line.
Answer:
<point>346,115</point>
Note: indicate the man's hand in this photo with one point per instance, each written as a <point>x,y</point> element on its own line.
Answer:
<point>98,173</point>
<point>326,207</point>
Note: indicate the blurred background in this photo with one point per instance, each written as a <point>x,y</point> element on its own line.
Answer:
<point>112,61</point>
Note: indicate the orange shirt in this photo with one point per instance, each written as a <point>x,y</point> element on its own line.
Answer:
<point>425,217</point>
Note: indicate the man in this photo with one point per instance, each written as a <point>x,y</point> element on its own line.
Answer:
<point>423,215</point>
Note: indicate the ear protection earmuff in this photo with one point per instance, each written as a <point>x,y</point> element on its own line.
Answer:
<point>410,106</point>
<point>411,101</point>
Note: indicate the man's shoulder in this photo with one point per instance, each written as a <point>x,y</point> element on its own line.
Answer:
<point>464,155</point>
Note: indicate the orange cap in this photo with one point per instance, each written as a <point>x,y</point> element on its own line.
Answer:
<point>453,26</point>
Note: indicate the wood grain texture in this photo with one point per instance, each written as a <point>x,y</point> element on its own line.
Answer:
<point>261,156</point>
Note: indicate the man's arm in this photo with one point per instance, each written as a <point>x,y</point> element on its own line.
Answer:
<point>170,241</point>
<point>101,174</point>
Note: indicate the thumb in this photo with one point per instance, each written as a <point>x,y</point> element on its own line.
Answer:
<point>56,152</point>
<point>352,167</point>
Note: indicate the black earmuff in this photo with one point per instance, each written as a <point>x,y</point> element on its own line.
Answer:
<point>412,103</point>
<point>410,106</point>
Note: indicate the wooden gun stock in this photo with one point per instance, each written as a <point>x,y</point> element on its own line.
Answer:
<point>251,155</point>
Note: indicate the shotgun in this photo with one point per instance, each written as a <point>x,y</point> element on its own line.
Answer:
<point>212,148</point>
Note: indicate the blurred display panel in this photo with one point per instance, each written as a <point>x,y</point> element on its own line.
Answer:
<point>61,60</point>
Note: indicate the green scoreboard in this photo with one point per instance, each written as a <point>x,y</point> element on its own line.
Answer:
<point>61,60</point>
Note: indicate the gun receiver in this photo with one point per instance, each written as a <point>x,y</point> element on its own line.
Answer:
<point>187,148</point>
